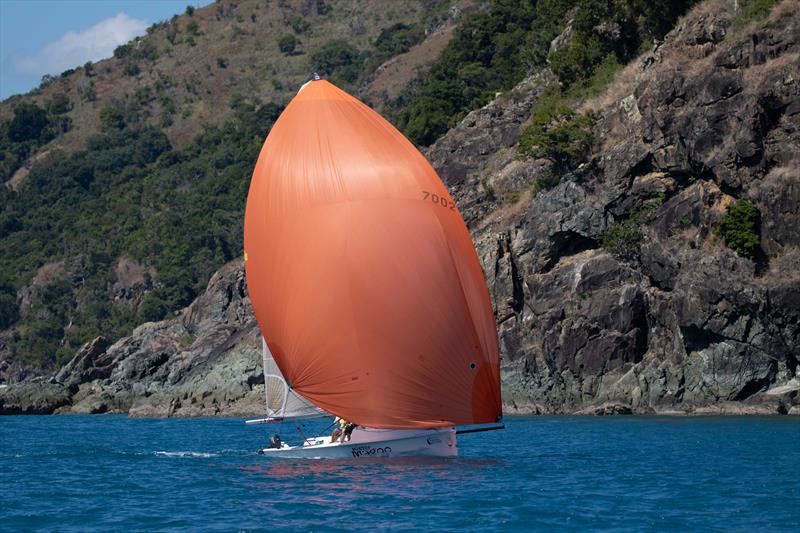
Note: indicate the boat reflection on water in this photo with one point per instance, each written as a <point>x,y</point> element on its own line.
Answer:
<point>347,467</point>
<point>351,481</point>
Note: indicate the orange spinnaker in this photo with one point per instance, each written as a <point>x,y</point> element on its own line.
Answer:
<point>362,273</point>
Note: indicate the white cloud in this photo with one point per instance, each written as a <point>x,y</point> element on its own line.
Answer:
<point>76,48</point>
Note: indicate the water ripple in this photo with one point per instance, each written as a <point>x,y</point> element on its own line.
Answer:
<point>612,474</point>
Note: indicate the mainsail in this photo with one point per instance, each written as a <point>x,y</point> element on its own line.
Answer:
<point>362,273</point>
<point>282,401</point>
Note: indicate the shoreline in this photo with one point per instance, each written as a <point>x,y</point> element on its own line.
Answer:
<point>730,409</point>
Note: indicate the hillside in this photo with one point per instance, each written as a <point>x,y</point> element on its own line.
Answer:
<point>114,216</point>
<point>126,179</point>
<point>183,74</point>
<point>632,196</point>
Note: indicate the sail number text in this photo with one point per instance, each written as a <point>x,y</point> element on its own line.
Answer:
<point>439,200</point>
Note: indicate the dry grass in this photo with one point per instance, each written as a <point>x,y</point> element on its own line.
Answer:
<point>670,54</point>
<point>504,215</point>
<point>396,73</point>
<point>690,61</point>
<point>783,267</point>
<point>48,273</point>
<point>244,33</point>
<point>130,272</point>
<point>787,8</point>
<point>621,86</point>
<point>755,76</point>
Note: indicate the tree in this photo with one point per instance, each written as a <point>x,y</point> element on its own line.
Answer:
<point>131,69</point>
<point>112,117</point>
<point>287,43</point>
<point>338,59</point>
<point>58,104</point>
<point>28,122</point>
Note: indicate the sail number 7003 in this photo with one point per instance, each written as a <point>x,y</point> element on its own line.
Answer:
<point>439,200</point>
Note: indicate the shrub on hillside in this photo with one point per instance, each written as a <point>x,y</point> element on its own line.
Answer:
<point>398,38</point>
<point>557,133</point>
<point>298,23</point>
<point>755,9</point>
<point>131,69</point>
<point>740,228</point>
<point>287,43</point>
<point>29,122</point>
<point>112,117</point>
<point>624,237</point>
<point>337,59</point>
<point>512,39</point>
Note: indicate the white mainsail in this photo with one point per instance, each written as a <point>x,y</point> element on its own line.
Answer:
<point>282,401</point>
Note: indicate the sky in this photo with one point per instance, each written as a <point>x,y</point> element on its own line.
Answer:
<point>40,37</point>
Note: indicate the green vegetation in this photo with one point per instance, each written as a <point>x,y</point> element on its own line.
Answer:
<point>346,65</point>
<point>127,193</point>
<point>739,227</point>
<point>754,10</point>
<point>398,39</point>
<point>338,60</point>
<point>624,237</point>
<point>557,133</point>
<point>133,52</point>
<point>87,92</point>
<point>8,302</point>
<point>287,43</point>
<point>131,69</point>
<point>30,127</point>
<point>298,23</point>
<point>28,123</point>
<point>494,50</point>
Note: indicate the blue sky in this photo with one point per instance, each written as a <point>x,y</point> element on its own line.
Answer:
<point>40,37</point>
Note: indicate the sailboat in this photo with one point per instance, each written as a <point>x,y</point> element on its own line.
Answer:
<point>366,287</point>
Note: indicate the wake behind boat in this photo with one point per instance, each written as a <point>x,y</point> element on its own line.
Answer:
<point>366,287</point>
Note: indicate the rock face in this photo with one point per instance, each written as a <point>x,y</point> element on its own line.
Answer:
<point>678,323</point>
<point>206,361</point>
<point>675,323</point>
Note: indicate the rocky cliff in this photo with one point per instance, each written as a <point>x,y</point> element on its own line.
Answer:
<point>671,321</point>
<point>676,321</point>
<point>206,361</point>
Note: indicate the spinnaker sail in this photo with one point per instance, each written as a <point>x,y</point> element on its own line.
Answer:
<point>362,273</point>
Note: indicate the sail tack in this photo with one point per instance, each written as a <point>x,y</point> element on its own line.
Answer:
<point>362,273</point>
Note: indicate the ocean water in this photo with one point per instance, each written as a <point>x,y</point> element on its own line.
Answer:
<point>111,473</point>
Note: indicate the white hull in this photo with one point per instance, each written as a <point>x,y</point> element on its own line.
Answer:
<point>367,443</point>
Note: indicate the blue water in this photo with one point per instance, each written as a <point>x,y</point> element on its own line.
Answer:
<point>623,473</point>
